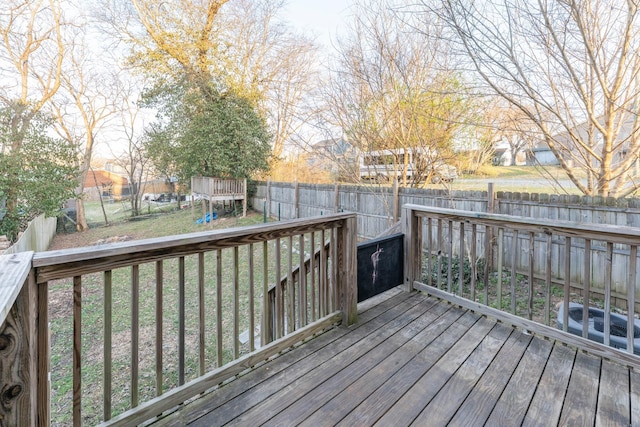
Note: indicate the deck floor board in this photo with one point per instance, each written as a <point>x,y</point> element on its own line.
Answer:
<point>414,359</point>
<point>582,394</point>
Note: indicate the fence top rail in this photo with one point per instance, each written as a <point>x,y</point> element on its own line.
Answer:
<point>606,232</point>
<point>77,261</point>
<point>14,270</point>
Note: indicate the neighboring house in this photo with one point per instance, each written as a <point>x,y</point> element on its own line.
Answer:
<point>629,133</point>
<point>502,156</point>
<point>541,155</point>
<point>109,185</point>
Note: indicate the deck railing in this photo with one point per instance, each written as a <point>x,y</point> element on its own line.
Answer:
<point>525,267</point>
<point>139,327</point>
<point>219,187</point>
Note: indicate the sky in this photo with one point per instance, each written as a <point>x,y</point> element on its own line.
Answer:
<point>323,18</point>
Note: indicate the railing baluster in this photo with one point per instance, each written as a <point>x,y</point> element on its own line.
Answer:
<point>514,269</point>
<point>135,332</point>
<point>461,259</point>
<point>279,296</point>
<point>291,306</point>
<point>108,321</point>
<point>429,252</point>
<point>44,356</point>
<point>219,348</point>
<point>567,283</point>
<point>473,258</point>
<point>631,297</point>
<point>334,270</point>
<point>181,320</point>
<point>201,313</point>
<point>77,351</point>
<point>607,293</point>
<point>586,287</point>
<point>488,257</point>
<point>500,262</point>
<point>252,321</point>
<point>439,254</point>
<point>547,280</point>
<point>302,285</point>
<point>266,329</point>
<point>531,277</point>
<point>322,276</point>
<point>450,260</point>
<point>236,303</point>
<point>312,267</point>
<point>159,313</point>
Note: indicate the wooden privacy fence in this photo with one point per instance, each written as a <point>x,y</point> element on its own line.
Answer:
<point>378,206</point>
<point>140,327</point>
<point>521,265</point>
<point>219,190</point>
<point>36,237</point>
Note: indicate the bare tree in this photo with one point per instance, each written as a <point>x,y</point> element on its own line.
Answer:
<point>84,105</point>
<point>572,68</point>
<point>391,88</point>
<point>133,159</point>
<point>269,62</point>
<point>32,51</point>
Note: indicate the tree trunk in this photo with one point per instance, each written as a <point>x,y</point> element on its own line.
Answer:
<point>81,219</point>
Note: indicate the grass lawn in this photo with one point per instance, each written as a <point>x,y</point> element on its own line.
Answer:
<point>528,179</point>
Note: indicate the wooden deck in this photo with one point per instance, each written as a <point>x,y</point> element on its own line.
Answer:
<point>417,360</point>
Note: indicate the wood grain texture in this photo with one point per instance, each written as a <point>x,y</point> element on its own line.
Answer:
<point>634,379</point>
<point>18,344</point>
<point>365,387</point>
<point>444,404</point>
<point>582,393</point>
<point>331,342</point>
<point>539,329</point>
<point>412,360</point>
<point>174,397</point>
<point>548,399</point>
<point>14,270</point>
<point>294,385</point>
<point>613,396</point>
<point>479,403</point>
<point>514,400</point>
<point>413,401</point>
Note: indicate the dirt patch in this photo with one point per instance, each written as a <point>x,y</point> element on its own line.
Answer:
<point>112,239</point>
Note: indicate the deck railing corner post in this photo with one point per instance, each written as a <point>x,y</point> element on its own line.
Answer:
<point>348,280</point>
<point>412,247</point>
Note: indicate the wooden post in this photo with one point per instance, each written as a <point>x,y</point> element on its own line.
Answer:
<point>396,200</point>
<point>411,227</point>
<point>336,197</point>
<point>19,343</point>
<point>268,207</point>
<point>210,212</point>
<point>348,270</point>
<point>488,245</point>
<point>244,201</point>
<point>296,201</point>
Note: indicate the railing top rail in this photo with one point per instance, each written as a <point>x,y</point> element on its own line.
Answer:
<point>608,232</point>
<point>14,270</point>
<point>70,262</point>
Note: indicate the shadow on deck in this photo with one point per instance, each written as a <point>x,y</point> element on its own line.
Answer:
<point>416,360</point>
